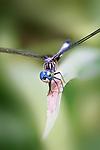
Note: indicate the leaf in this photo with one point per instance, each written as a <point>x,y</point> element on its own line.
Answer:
<point>72,67</point>
<point>79,62</point>
<point>53,99</point>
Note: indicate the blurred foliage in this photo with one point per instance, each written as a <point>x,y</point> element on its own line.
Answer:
<point>43,26</point>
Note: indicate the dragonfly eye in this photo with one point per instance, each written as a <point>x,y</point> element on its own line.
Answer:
<point>46,76</point>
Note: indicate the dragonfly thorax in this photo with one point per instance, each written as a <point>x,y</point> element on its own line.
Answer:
<point>50,65</point>
<point>46,76</point>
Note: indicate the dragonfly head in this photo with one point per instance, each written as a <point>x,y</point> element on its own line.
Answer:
<point>46,76</point>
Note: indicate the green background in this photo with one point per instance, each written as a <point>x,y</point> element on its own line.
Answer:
<point>43,26</point>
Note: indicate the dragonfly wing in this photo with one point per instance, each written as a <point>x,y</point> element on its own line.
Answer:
<point>76,61</point>
<point>53,105</point>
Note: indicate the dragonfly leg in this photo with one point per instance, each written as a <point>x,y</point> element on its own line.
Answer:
<point>57,83</point>
<point>59,80</point>
<point>60,75</point>
<point>49,88</point>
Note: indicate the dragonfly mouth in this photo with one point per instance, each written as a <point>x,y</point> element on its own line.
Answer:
<point>46,80</point>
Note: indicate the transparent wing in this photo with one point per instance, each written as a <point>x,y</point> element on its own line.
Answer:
<point>80,63</point>
<point>53,105</point>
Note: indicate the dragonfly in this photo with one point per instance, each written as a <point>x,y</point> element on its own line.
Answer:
<point>51,76</point>
<point>50,63</point>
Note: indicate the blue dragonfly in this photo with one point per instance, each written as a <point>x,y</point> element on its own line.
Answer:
<point>51,76</point>
<point>50,63</point>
